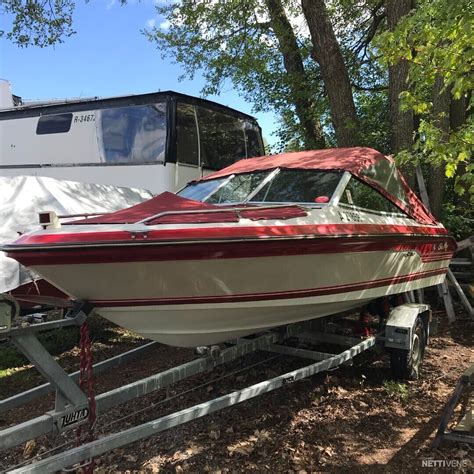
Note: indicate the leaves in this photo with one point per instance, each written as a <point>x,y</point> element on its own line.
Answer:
<point>437,41</point>
<point>38,23</point>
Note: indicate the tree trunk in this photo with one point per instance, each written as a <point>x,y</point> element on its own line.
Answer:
<point>327,53</point>
<point>402,124</point>
<point>298,80</point>
<point>437,177</point>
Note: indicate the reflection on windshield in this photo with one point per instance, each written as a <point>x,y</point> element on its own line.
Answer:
<point>238,188</point>
<point>299,186</point>
<point>199,191</point>
<point>280,186</point>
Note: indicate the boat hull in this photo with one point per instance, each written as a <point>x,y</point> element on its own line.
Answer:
<point>200,302</point>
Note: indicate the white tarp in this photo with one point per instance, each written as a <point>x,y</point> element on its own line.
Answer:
<point>23,197</point>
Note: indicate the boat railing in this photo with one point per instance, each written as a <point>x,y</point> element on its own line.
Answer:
<point>236,210</point>
<point>86,215</point>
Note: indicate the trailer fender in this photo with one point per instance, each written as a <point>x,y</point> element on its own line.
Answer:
<point>401,323</point>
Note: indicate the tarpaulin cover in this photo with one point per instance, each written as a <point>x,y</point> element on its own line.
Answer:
<point>23,197</point>
<point>366,164</point>
<point>167,202</point>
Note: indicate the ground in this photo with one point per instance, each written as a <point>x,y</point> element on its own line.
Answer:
<point>355,417</point>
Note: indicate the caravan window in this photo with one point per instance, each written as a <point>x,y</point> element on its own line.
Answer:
<point>134,134</point>
<point>254,142</point>
<point>48,124</point>
<point>222,138</point>
<point>186,135</point>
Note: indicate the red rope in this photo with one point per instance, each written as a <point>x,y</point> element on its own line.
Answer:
<point>86,383</point>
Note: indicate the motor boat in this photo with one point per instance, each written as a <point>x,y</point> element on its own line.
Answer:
<point>264,242</point>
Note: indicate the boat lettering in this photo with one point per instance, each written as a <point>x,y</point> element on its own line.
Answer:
<point>81,118</point>
<point>74,417</point>
<point>443,246</point>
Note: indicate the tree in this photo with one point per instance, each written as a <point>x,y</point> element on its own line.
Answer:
<point>298,80</point>
<point>401,121</point>
<point>327,54</point>
<point>253,45</point>
<point>38,22</point>
<point>436,41</point>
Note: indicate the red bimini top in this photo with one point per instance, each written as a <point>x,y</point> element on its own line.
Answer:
<point>367,164</point>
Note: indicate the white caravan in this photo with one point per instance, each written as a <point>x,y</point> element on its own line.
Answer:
<point>157,141</point>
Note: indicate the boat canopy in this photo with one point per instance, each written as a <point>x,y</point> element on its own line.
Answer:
<point>366,164</point>
<point>168,208</point>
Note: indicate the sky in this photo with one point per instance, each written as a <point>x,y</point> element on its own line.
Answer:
<point>108,56</point>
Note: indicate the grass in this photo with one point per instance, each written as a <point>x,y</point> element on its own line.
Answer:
<point>58,341</point>
<point>397,390</point>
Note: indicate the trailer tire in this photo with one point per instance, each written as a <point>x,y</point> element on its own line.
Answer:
<point>406,364</point>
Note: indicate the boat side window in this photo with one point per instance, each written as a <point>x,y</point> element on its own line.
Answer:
<point>362,195</point>
<point>385,174</point>
<point>48,124</point>
<point>187,135</point>
<point>299,186</point>
<point>134,133</point>
<point>222,138</point>
<point>238,188</point>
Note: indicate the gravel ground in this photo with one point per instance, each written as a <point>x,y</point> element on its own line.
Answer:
<point>349,418</point>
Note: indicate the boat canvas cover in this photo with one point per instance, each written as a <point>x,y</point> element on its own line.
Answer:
<point>178,210</point>
<point>23,197</point>
<point>367,164</point>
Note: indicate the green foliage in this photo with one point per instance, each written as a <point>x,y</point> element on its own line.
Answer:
<point>38,22</point>
<point>373,110</point>
<point>235,42</point>
<point>459,223</point>
<point>436,39</point>
<point>397,390</point>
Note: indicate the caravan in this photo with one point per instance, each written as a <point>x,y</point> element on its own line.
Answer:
<point>158,141</point>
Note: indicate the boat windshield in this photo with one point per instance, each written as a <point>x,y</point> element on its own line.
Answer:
<point>274,186</point>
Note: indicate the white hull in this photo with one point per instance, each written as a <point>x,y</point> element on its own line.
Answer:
<point>239,296</point>
<point>206,324</point>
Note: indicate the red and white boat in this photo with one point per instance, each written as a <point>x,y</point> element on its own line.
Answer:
<point>264,242</point>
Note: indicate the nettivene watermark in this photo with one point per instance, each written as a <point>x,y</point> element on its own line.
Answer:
<point>451,463</point>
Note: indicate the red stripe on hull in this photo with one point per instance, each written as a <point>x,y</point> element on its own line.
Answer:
<point>322,291</point>
<point>225,232</point>
<point>145,252</point>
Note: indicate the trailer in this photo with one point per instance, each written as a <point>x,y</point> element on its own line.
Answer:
<point>403,331</point>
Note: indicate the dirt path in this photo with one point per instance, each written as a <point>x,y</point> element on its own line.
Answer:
<point>349,418</point>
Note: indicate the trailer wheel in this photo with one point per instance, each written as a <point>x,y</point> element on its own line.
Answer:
<point>406,364</point>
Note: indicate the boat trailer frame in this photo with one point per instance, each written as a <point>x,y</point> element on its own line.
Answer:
<point>71,404</point>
